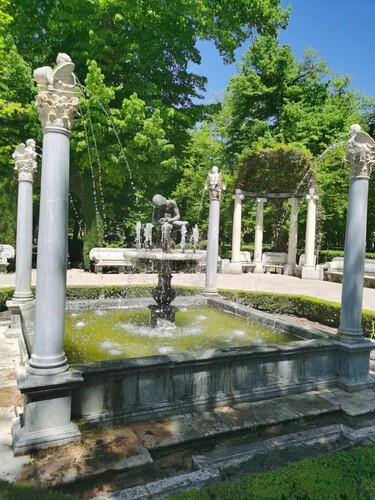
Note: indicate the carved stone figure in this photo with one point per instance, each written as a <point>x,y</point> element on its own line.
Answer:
<point>58,99</point>
<point>166,218</point>
<point>25,160</point>
<point>360,152</point>
<point>214,184</point>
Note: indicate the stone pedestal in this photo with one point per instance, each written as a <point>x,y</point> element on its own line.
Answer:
<point>215,187</point>
<point>258,242</point>
<point>25,165</point>
<point>46,420</point>
<point>361,157</point>
<point>235,264</point>
<point>309,270</point>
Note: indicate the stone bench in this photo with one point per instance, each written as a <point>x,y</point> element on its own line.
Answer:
<point>274,261</point>
<point>335,270</point>
<point>110,258</point>
<point>6,254</point>
<point>245,260</point>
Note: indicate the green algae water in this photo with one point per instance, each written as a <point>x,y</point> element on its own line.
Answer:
<point>102,334</point>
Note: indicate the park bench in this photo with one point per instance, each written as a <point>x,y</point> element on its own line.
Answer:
<point>274,261</point>
<point>6,254</point>
<point>109,258</point>
<point>335,270</point>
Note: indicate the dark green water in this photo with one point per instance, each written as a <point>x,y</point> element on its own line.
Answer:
<point>103,334</point>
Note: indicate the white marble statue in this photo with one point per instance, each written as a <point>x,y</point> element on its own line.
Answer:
<point>360,152</point>
<point>61,78</point>
<point>25,160</point>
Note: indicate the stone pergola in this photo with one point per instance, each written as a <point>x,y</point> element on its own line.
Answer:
<point>308,269</point>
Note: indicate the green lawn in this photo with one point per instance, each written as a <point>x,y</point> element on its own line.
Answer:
<point>347,475</point>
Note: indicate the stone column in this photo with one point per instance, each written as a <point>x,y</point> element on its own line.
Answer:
<point>47,383</point>
<point>258,242</point>
<point>354,359</point>
<point>235,264</point>
<point>309,270</point>
<point>293,236</point>
<point>25,164</point>
<point>361,157</point>
<point>215,186</point>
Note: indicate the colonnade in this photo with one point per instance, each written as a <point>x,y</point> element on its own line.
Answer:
<point>309,265</point>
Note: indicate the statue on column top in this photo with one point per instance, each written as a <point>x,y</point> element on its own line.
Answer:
<point>58,99</point>
<point>360,152</point>
<point>25,160</point>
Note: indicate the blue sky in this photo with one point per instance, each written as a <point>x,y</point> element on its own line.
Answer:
<point>341,31</point>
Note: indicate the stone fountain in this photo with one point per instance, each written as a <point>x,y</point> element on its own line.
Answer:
<point>165,259</point>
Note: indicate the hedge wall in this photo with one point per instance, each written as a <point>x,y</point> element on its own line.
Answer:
<point>322,311</point>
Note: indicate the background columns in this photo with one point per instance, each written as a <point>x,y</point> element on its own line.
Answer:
<point>235,264</point>
<point>309,268</point>
<point>215,186</point>
<point>293,236</point>
<point>258,241</point>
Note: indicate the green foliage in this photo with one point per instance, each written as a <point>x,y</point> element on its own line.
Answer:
<point>347,474</point>
<point>320,311</point>
<point>276,98</point>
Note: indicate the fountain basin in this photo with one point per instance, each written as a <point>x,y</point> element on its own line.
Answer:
<point>170,384</point>
<point>167,263</point>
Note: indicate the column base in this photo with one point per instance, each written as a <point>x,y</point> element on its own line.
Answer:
<point>290,270</point>
<point>312,273</point>
<point>46,418</point>
<point>210,292</point>
<point>24,442</point>
<point>258,269</point>
<point>353,365</point>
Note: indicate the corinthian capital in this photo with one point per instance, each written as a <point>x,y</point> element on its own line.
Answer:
<point>360,152</point>
<point>25,160</point>
<point>57,101</point>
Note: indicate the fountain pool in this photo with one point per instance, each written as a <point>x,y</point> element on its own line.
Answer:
<point>196,376</point>
<point>115,333</point>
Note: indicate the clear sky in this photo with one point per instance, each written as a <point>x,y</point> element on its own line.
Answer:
<point>341,31</point>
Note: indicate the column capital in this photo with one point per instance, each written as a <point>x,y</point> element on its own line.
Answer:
<point>214,184</point>
<point>261,200</point>
<point>294,201</point>
<point>360,152</point>
<point>25,160</point>
<point>58,100</point>
<point>312,196</point>
<point>238,196</point>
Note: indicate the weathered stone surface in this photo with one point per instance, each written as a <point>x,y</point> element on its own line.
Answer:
<point>207,423</point>
<point>112,448</point>
<point>354,404</point>
<point>167,432</point>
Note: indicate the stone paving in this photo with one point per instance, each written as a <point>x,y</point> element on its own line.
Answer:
<point>131,447</point>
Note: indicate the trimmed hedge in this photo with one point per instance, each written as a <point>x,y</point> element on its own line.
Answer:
<point>320,311</point>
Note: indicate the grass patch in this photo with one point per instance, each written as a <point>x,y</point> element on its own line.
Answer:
<point>12,491</point>
<point>345,475</point>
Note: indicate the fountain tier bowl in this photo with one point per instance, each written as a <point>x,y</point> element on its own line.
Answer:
<point>169,384</point>
<point>165,262</point>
